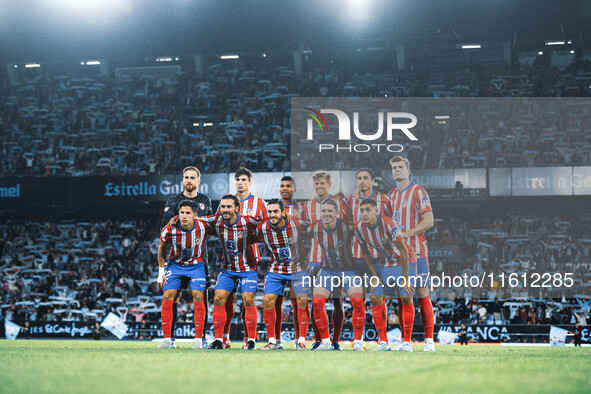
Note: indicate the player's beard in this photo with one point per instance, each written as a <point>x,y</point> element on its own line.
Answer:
<point>189,187</point>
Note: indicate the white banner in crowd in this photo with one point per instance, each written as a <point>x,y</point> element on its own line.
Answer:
<point>114,324</point>
<point>446,337</point>
<point>557,336</point>
<point>12,330</point>
<point>394,336</point>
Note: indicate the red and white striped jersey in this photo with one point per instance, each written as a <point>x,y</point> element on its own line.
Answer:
<point>408,205</point>
<point>237,240</point>
<point>383,238</point>
<point>187,246</point>
<point>335,246</point>
<point>309,211</point>
<point>383,209</point>
<point>285,246</point>
<point>257,208</point>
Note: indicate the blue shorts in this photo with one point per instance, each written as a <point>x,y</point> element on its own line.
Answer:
<point>389,277</point>
<point>362,267</point>
<point>194,274</point>
<point>423,272</point>
<point>227,281</point>
<point>344,280</point>
<point>275,283</point>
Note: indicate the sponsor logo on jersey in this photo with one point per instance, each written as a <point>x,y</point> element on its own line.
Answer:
<point>202,206</point>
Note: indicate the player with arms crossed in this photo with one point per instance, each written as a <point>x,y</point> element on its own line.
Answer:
<point>334,237</point>
<point>191,181</point>
<point>413,214</point>
<point>366,179</point>
<point>239,264</point>
<point>282,237</point>
<point>185,262</point>
<point>396,267</point>
<point>310,212</point>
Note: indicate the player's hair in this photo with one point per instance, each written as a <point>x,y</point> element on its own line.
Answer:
<point>396,159</point>
<point>231,197</point>
<point>369,201</point>
<point>321,174</point>
<point>243,171</point>
<point>191,168</point>
<point>289,179</point>
<point>329,201</point>
<point>372,174</point>
<point>278,202</point>
<point>190,204</point>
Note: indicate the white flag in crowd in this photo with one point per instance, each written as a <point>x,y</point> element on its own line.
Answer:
<point>557,336</point>
<point>446,337</point>
<point>11,329</point>
<point>394,336</point>
<point>114,324</point>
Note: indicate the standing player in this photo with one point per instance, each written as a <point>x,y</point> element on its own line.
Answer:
<point>283,238</point>
<point>287,188</point>
<point>397,264</point>
<point>185,262</point>
<point>310,212</point>
<point>334,238</point>
<point>366,179</point>
<point>413,214</point>
<point>191,181</point>
<point>239,264</point>
<point>249,206</point>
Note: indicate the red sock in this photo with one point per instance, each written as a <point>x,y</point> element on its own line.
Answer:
<point>408,311</point>
<point>380,323</point>
<point>400,319</point>
<point>358,317</point>
<point>385,313</point>
<point>279,313</point>
<point>426,309</point>
<point>321,317</point>
<point>244,325</point>
<point>303,322</point>
<point>199,318</point>
<point>296,325</point>
<point>317,335</point>
<point>250,320</point>
<point>270,317</point>
<point>166,317</point>
<point>229,309</point>
<point>338,318</point>
<point>219,320</point>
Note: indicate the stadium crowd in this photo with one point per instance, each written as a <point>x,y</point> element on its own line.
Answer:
<point>75,125</point>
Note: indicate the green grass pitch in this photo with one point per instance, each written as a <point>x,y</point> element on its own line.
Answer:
<point>34,366</point>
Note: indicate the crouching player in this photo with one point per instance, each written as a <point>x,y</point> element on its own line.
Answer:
<point>334,239</point>
<point>397,267</point>
<point>283,238</point>
<point>185,261</point>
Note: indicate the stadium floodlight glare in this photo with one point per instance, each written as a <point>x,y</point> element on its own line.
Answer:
<point>569,42</point>
<point>15,66</point>
<point>93,63</point>
<point>227,57</point>
<point>554,42</point>
<point>196,124</point>
<point>442,117</point>
<point>207,124</point>
<point>471,46</point>
<point>540,53</point>
<point>164,59</point>
<point>572,52</point>
<point>32,65</point>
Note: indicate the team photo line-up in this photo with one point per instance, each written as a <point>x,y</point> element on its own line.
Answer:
<point>326,246</point>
